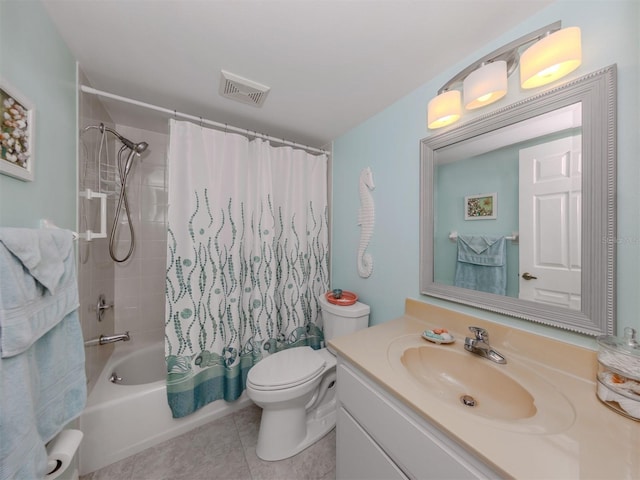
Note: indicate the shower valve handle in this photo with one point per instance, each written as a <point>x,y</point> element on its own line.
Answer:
<point>101,307</point>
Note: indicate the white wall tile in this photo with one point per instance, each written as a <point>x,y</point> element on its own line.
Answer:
<point>130,268</point>
<point>154,249</point>
<point>128,287</point>
<point>153,175</point>
<point>95,268</point>
<point>140,285</point>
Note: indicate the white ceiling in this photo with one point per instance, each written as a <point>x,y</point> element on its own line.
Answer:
<point>330,63</point>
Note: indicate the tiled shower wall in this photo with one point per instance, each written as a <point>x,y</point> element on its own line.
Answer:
<point>140,281</point>
<point>95,268</point>
<point>135,288</point>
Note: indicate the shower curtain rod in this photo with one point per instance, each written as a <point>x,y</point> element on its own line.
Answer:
<point>202,121</point>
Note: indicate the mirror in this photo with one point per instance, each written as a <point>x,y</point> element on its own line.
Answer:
<point>486,180</point>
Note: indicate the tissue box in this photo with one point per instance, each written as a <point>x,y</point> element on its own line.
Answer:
<point>618,382</point>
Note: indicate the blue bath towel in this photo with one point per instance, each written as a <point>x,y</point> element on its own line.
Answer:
<point>42,376</point>
<point>482,263</point>
<point>38,287</point>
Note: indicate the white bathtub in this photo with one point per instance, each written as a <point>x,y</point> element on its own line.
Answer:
<point>121,420</point>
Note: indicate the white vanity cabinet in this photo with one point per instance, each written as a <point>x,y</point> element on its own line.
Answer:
<point>380,438</point>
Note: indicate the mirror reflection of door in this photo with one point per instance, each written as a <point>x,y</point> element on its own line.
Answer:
<point>550,198</point>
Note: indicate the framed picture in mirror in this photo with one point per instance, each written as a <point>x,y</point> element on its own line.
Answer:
<point>481,207</point>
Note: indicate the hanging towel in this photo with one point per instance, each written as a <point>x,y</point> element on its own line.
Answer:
<point>37,287</point>
<point>42,376</point>
<point>482,263</point>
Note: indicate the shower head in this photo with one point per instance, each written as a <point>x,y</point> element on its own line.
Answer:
<point>140,147</point>
<point>134,147</point>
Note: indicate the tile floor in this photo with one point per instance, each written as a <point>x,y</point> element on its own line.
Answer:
<point>224,449</point>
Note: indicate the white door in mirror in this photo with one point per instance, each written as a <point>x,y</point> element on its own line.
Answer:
<point>550,197</point>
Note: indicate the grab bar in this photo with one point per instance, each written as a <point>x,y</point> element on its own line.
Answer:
<point>90,235</point>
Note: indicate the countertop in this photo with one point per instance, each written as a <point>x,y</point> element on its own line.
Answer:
<point>591,441</point>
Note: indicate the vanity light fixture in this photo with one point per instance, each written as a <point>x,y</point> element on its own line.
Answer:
<point>551,54</point>
<point>444,109</point>
<point>485,85</point>
<point>553,57</point>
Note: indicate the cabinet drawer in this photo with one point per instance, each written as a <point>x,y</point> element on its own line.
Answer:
<point>418,448</point>
<point>360,457</point>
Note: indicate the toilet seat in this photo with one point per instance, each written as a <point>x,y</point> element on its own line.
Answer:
<point>286,369</point>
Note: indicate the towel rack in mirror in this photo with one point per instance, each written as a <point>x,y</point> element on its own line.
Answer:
<point>453,236</point>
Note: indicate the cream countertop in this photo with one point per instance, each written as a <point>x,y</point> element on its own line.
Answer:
<point>596,443</point>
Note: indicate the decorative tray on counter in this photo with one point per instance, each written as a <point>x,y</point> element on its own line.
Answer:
<point>618,384</point>
<point>345,299</point>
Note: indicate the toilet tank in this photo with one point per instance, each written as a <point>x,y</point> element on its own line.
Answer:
<point>341,320</point>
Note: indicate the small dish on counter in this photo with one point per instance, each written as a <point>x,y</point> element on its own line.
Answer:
<point>438,335</point>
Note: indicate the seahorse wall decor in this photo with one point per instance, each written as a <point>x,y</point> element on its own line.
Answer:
<point>366,217</point>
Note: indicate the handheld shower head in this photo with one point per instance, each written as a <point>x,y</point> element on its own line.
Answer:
<point>140,147</point>
<point>124,166</point>
<point>134,147</point>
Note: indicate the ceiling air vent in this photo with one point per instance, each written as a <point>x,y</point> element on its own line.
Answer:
<point>242,90</point>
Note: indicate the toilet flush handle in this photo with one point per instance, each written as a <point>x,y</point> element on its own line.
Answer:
<point>321,391</point>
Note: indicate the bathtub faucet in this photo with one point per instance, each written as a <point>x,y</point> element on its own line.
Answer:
<point>119,337</point>
<point>104,339</point>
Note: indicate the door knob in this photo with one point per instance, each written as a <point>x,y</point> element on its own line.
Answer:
<point>528,276</point>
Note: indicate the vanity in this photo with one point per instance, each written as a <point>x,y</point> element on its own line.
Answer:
<point>404,412</point>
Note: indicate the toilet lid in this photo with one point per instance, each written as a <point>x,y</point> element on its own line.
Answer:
<point>286,368</point>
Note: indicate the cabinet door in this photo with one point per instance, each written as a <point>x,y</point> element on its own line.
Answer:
<point>418,448</point>
<point>359,456</point>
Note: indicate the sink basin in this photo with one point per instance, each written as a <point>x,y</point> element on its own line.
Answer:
<point>512,396</point>
<point>452,375</point>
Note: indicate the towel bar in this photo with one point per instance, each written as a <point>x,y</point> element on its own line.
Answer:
<point>44,223</point>
<point>453,236</point>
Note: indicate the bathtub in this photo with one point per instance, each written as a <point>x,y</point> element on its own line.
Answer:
<point>122,419</point>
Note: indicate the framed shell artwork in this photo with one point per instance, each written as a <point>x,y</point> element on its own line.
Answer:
<point>481,207</point>
<point>17,130</point>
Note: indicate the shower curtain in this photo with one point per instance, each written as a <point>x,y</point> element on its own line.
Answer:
<point>247,259</point>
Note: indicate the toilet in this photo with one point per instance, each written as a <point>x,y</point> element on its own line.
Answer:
<point>296,387</point>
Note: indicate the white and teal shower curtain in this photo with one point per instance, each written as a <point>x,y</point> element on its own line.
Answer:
<point>247,259</point>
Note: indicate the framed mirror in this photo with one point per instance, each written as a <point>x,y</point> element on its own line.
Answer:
<point>518,208</point>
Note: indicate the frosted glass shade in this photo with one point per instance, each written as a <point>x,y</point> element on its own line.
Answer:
<point>551,58</point>
<point>444,109</point>
<point>485,85</point>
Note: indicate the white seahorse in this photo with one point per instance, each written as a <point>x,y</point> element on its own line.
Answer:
<point>366,217</point>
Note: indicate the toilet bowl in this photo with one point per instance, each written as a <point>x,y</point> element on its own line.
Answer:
<point>296,388</point>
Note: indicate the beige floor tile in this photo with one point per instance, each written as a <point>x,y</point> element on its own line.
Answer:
<point>330,475</point>
<point>312,463</point>
<point>318,459</point>
<point>230,466</point>
<point>247,422</point>
<point>222,450</point>
<point>121,470</point>
<point>186,454</point>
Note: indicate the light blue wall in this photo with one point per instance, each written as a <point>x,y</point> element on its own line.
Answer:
<point>36,61</point>
<point>497,172</point>
<point>389,144</point>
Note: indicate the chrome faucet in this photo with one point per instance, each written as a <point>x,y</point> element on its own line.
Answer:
<point>119,337</point>
<point>104,339</point>
<point>480,345</point>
